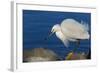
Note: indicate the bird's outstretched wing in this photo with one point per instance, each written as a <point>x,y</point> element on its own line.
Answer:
<point>73,29</point>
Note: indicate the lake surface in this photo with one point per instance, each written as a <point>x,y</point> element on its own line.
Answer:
<point>37,26</point>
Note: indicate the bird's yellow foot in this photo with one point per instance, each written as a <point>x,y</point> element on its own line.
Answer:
<point>69,56</point>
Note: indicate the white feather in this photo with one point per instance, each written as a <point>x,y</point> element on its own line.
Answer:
<point>71,30</point>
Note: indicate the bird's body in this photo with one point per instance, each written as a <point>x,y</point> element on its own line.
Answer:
<point>70,30</point>
<point>73,29</point>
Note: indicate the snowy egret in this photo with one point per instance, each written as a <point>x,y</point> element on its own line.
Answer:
<point>70,30</point>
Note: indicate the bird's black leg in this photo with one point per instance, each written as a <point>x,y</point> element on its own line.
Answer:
<point>77,45</point>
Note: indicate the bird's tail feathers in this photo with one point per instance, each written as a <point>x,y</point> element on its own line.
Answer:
<point>86,25</point>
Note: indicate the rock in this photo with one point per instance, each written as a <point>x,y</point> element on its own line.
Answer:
<point>37,59</point>
<point>39,54</point>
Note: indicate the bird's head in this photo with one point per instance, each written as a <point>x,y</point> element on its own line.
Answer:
<point>55,28</point>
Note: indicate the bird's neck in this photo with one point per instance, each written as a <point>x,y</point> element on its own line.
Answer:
<point>60,35</point>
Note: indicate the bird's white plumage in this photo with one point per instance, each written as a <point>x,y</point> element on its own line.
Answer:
<point>70,30</point>
<point>73,29</point>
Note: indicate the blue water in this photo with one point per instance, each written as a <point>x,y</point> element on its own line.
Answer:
<point>37,25</point>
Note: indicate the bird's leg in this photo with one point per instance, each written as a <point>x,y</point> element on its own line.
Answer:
<point>77,45</point>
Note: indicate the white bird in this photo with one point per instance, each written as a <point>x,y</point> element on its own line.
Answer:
<point>70,30</point>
